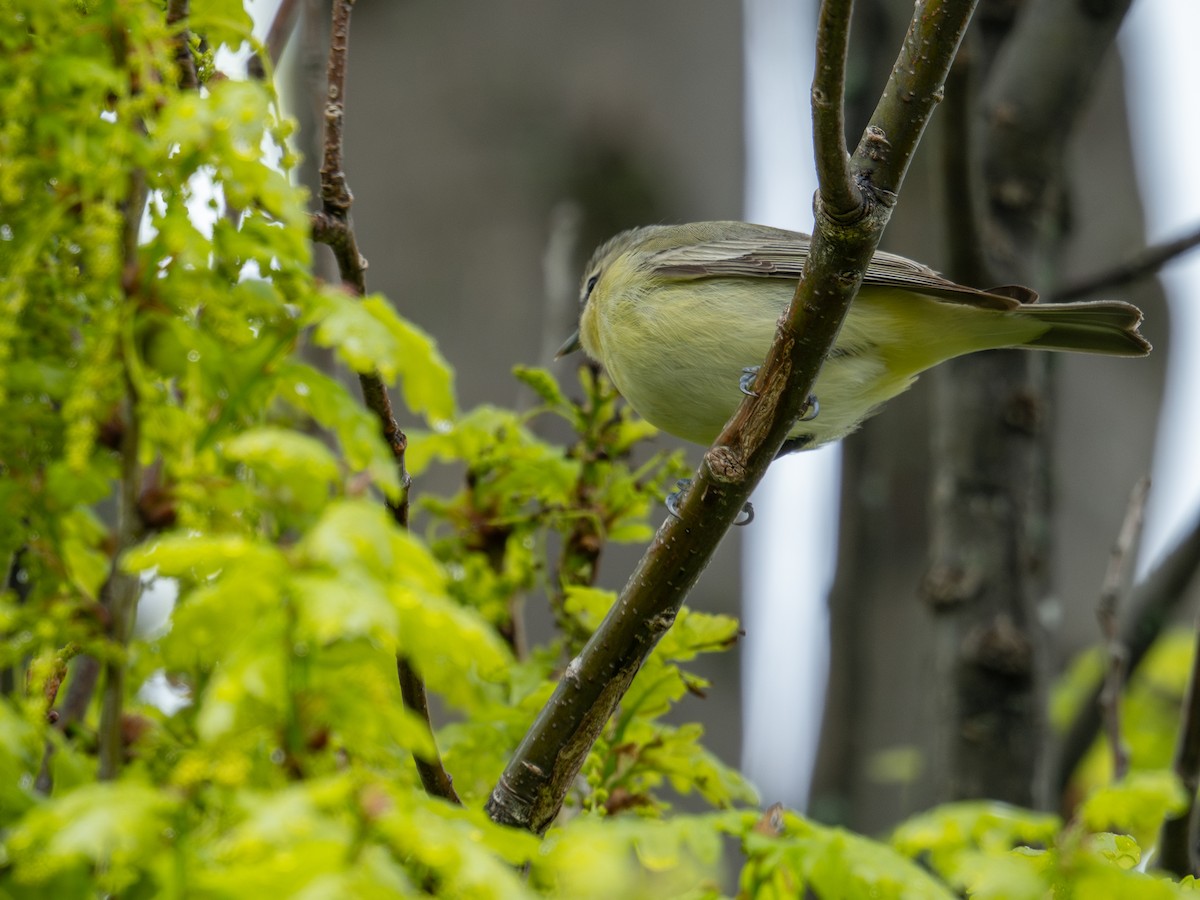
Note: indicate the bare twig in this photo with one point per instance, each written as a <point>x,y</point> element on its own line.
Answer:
<point>1177,844</point>
<point>332,226</point>
<point>840,195</point>
<point>120,592</point>
<point>1140,265</point>
<point>531,791</point>
<point>1152,603</point>
<point>434,778</point>
<point>280,32</point>
<point>281,29</point>
<point>1116,586</point>
<point>177,12</point>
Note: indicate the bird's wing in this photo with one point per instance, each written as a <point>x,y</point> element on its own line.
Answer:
<point>776,256</point>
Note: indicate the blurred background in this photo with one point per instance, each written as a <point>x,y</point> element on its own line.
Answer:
<point>492,146</point>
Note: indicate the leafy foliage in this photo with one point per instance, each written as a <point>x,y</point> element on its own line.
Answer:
<point>155,305</point>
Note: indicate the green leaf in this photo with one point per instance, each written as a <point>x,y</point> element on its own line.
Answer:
<point>831,863</point>
<point>344,606</point>
<point>628,857</point>
<point>210,621</point>
<point>298,470</point>
<point>201,556</point>
<point>113,825</point>
<point>21,748</point>
<point>329,403</point>
<point>1136,805</point>
<point>357,532</point>
<point>544,384</point>
<point>426,379</point>
<point>588,604</point>
<point>370,336</point>
<point>221,22</point>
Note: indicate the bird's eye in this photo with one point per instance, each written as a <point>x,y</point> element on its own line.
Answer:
<point>591,283</point>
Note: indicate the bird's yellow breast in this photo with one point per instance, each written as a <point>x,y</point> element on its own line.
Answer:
<point>676,348</point>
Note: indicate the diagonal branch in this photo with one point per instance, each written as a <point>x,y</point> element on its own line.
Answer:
<point>332,226</point>
<point>852,207</point>
<point>1115,588</point>
<point>1151,606</point>
<point>1141,265</point>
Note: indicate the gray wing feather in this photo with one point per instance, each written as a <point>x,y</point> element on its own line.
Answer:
<point>773,253</point>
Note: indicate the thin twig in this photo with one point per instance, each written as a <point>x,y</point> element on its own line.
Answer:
<point>177,12</point>
<point>434,778</point>
<point>1152,603</point>
<point>332,226</point>
<point>1177,843</point>
<point>281,29</point>
<point>1116,586</point>
<point>283,26</point>
<point>534,785</point>
<point>1140,265</point>
<point>120,593</point>
<point>839,194</point>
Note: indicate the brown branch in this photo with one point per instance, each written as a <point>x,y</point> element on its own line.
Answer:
<point>1152,602</point>
<point>281,29</point>
<point>839,194</point>
<point>991,498</point>
<point>1035,93</point>
<point>335,193</point>
<point>1177,843</point>
<point>531,791</point>
<point>332,226</point>
<point>1116,586</point>
<point>120,593</point>
<point>1140,265</point>
<point>283,26</point>
<point>434,778</point>
<point>177,12</point>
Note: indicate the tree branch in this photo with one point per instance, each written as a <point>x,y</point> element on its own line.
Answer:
<point>1115,587</point>
<point>1140,265</point>
<point>281,29</point>
<point>991,494</point>
<point>1152,602</point>
<point>839,193</point>
<point>177,12</point>
<point>120,594</point>
<point>1033,97</point>
<point>531,791</point>
<point>332,226</point>
<point>278,35</point>
<point>434,778</point>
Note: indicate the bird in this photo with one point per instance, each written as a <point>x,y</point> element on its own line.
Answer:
<point>680,316</point>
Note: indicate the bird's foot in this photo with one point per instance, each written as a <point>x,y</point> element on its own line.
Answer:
<point>744,517</point>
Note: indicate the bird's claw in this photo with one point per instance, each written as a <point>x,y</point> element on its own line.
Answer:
<point>812,409</point>
<point>746,382</point>
<point>744,517</point>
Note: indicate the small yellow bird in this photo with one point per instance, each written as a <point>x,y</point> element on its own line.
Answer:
<point>680,316</point>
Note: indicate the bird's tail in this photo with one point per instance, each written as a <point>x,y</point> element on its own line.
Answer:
<point>1108,327</point>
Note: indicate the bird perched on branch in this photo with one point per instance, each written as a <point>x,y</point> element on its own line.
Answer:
<point>682,315</point>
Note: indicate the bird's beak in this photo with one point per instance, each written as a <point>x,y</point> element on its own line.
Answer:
<point>571,345</point>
